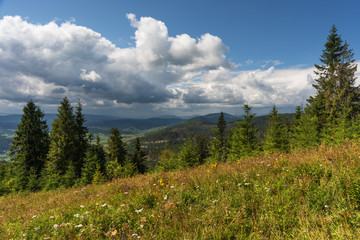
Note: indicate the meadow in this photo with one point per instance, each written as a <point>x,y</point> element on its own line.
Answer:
<point>310,194</point>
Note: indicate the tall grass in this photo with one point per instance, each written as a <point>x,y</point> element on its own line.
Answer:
<point>312,194</point>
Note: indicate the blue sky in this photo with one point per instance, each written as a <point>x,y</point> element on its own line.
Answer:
<point>195,56</point>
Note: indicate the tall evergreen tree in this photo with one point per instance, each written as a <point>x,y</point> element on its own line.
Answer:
<point>81,133</point>
<point>138,157</point>
<point>95,159</point>
<point>335,83</point>
<point>201,145</point>
<point>276,137</point>
<point>29,148</point>
<point>219,148</point>
<point>116,147</point>
<point>188,155</point>
<point>244,141</point>
<point>63,155</point>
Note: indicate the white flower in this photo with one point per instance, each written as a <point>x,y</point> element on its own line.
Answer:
<point>134,235</point>
<point>326,206</point>
<point>165,198</point>
<point>215,201</point>
<point>172,186</point>
<point>79,226</point>
<point>37,229</point>
<point>141,226</point>
<point>56,226</point>
<point>52,217</point>
<point>45,238</point>
<point>35,216</point>
<point>87,213</point>
<point>104,205</point>
<point>78,216</point>
<point>82,206</point>
<point>139,211</point>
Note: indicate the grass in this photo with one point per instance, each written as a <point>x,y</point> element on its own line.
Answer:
<point>311,194</point>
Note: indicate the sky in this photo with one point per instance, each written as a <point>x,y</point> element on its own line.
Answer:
<point>141,58</point>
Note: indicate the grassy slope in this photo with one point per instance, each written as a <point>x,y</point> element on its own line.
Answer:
<point>305,195</point>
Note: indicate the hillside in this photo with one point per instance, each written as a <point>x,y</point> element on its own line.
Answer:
<point>305,195</point>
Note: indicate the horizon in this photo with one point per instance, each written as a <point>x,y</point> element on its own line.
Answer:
<point>141,59</point>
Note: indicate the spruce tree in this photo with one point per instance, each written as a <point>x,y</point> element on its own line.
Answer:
<point>138,157</point>
<point>81,133</point>
<point>219,148</point>
<point>335,83</point>
<point>276,137</point>
<point>29,148</point>
<point>244,141</point>
<point>116,147</point>
<point>188,155</point>
<point>63,156</point>
<point>201,145</point>
<point>95,158</point>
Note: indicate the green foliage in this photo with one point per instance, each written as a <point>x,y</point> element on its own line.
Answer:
<point>29,147</point>
<point>244,141</point>
<point>335,83</point>
<point>115,170</point>
<point>116,147</point>
<point>305,132</point>
<point>138,157</point>
<point>201,144</point>
<point>188,155</point>
<point>277,135</point>
<point>168,161</point>
<point>95,158</point>
<point>98,176</point>
<point>219,147</point>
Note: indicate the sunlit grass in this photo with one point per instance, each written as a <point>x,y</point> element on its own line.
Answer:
<point>311,194</point>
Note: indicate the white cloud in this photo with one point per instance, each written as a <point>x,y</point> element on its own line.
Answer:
<point>162,72</point>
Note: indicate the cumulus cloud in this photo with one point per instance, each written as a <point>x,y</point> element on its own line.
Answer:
<point>47,62</point>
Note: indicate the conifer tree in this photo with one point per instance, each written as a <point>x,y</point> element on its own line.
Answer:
<point>201,145</point>
<point>276,137</point>
<point>80,138</point>
<point>244,141</point>
<point>138,157</point>
<point>95,159</point>
<point>335,83</point>
<point>116,147</point>
<point>63,153</point>
<point>188,155</point>
<point>29,148</point>
<point>305,132</point>
<point>219,148</point>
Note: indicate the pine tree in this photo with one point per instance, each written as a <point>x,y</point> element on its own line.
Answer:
<point>188,155</point>
<point>305,132</point>
<point>81,133</point>
<point>138,157</point>
<point>276,137</point>
<point>201,145</point>
<point>244,141</point>
<point>219,148</point>
<point>335,83</point>
<point>116,147</point>
<point>29,148</point>
<point>63,153</point>
<point>94,158</point>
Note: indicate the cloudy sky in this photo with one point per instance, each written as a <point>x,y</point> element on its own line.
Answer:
<point>141,58</point>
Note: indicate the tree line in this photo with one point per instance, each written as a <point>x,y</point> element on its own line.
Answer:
<point>69,156</point>
<point>332,116</point>
<point>66,156</point>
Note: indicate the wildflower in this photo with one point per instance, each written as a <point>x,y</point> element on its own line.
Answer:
<point>36,228</point>
<point>56,226</point>
<point>166,197</point>
<point>113,233</point>
<point>215,201</point>
<point>326,206</point>
<point>79,226</point>
<point>304,231</point>
<point>87,213</point>
<point>52,217</point>
<point>239,184</point>
<point>141,226</point>
<point>82,206</point>
<point>139,211</point>
<point>258,175</point>
<point>35,216</point>
<point>172,187</point>
<point>104,205</point>
<point>126,193</point>
<point>134,235</point>
<point>45,238</point>
<point>214,166</point>
<point>24,235</point>
<point>247,184</point>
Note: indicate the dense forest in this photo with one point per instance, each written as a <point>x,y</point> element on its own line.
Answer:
<point>69,155</point>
